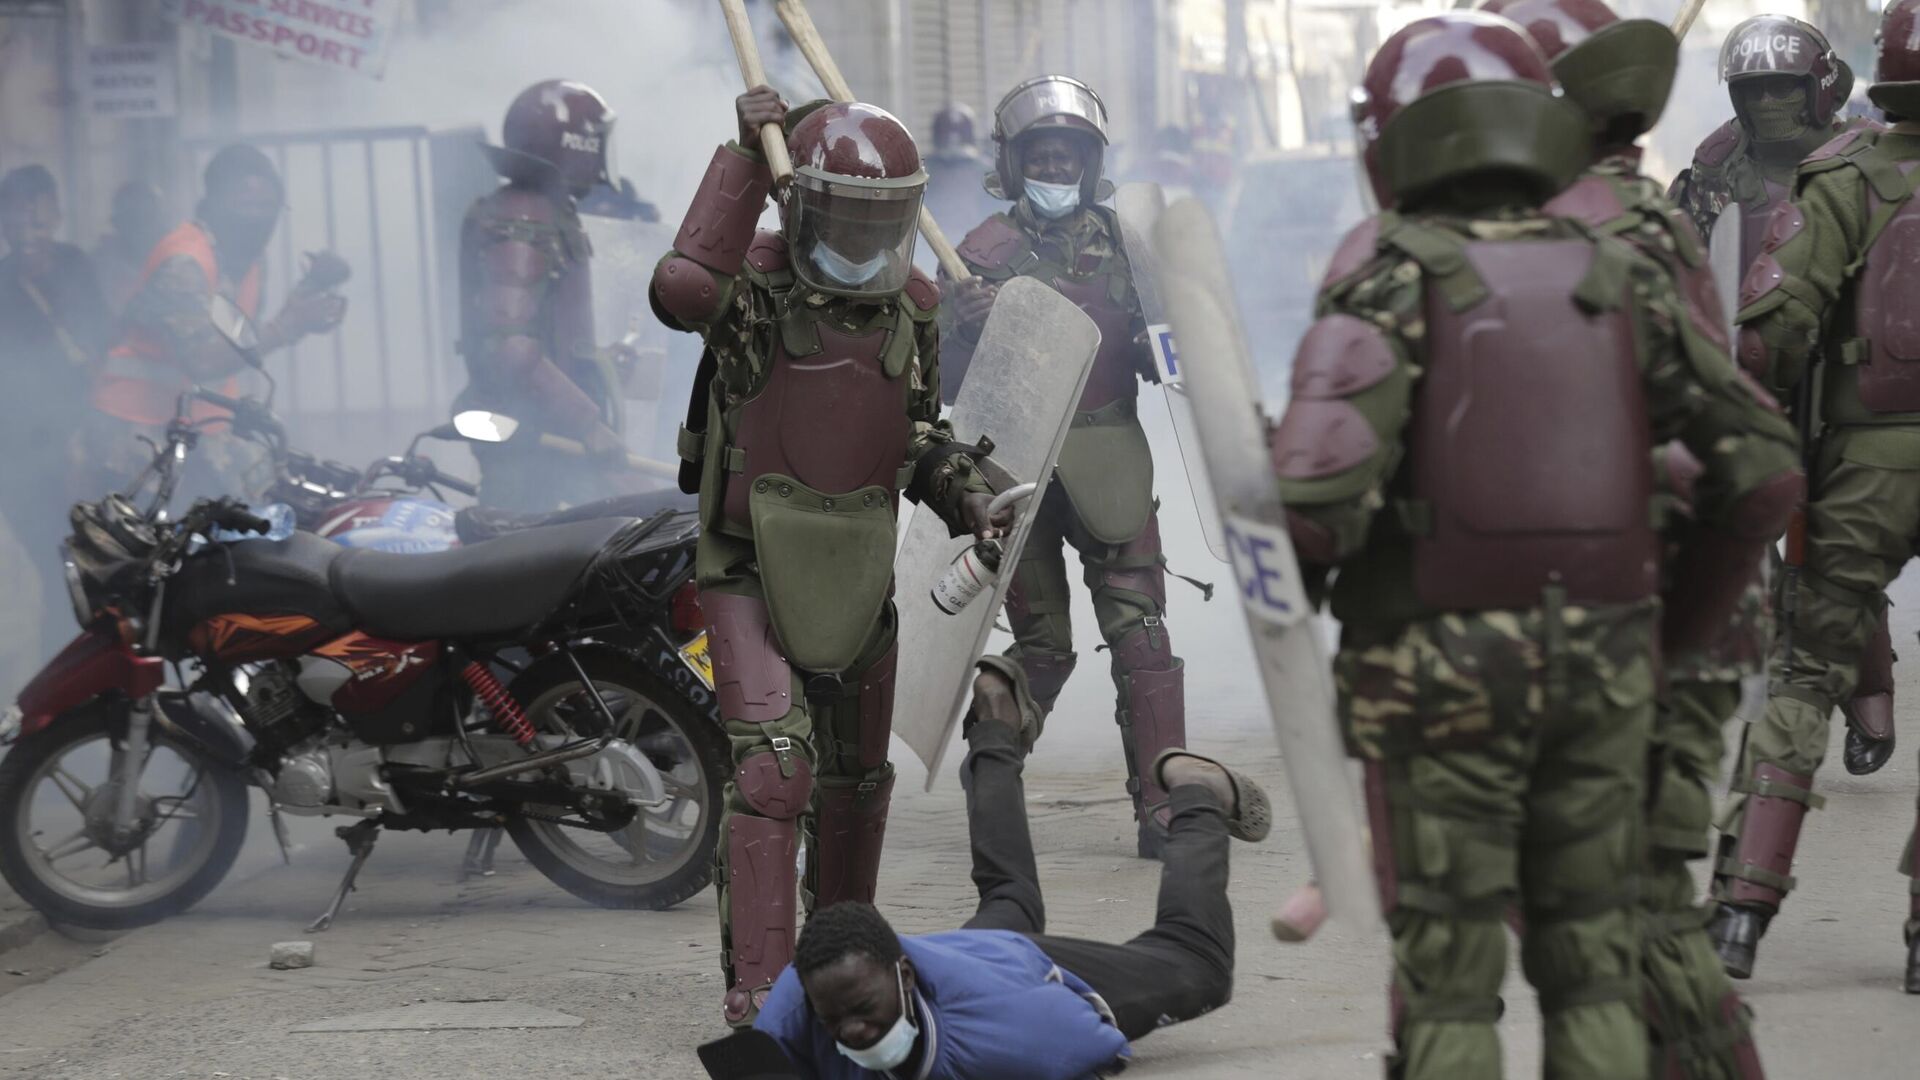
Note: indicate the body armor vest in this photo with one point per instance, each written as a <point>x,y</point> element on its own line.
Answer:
<point>833,420</point>
<point>1113,376</point>
<point>1517,498</point>
<point>563,321</point>
<point>1885,315</point>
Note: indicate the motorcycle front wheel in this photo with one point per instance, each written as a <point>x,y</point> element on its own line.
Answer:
<point>58,792</point>
<point>666,854</point>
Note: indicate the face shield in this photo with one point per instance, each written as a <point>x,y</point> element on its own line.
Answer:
<point>852,236</point>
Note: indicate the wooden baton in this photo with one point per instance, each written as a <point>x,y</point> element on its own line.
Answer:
<point>800,24</point>
<point>773,141</point>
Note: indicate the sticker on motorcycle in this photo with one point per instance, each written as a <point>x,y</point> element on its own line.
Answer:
<point>699,659</point>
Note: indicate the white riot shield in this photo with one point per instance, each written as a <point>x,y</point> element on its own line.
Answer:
<point>1723,254</point>
<point>1027,374</point>
<point>1292,656</point>
<point>1139,206</point>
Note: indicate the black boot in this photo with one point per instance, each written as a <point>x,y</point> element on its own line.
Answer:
<point>1735,931</point>
<point>1913,957</point>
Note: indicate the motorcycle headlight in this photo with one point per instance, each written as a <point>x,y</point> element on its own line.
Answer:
<point>76,587</point>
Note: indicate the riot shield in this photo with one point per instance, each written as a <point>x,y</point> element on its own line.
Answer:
<point>1723,254</point>
<point>1027,374</point>
<point>652,392</point>
<point>1139,206</point>
<point>1292,657</point>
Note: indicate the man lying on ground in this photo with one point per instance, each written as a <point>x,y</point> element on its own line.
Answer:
<point>1001,998</point>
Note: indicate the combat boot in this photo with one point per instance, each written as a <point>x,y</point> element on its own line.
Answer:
<point>1736,930</point>
<point>1913,946</point>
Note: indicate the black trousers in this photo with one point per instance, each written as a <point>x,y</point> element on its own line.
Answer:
<point>1177,970</point>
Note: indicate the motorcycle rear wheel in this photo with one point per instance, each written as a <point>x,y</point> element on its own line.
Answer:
<point>665,856</point>
<point>204,812</point>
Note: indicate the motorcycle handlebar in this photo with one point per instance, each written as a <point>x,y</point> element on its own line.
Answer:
<point>238,519</point>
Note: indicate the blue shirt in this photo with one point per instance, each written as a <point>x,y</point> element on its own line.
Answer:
<point>990,1005</point>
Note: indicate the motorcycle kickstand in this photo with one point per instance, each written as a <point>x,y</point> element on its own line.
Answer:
<point>479,858</point>
<point>359,837</point>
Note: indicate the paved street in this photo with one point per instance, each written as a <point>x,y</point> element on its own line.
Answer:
<point>193,997</point>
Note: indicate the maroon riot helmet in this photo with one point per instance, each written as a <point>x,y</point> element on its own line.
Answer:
<point>854,207</point>
<point>954,131</point>
<point>557,130</point>
<point>1776,46</point>
<point>1896,85</point>
<point>1463,93</point>
<point>1619,70</point>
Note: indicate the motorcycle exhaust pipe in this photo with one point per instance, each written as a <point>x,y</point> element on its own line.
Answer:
<point>557,756</point>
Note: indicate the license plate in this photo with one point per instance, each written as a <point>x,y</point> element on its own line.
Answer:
<point>699,659</point>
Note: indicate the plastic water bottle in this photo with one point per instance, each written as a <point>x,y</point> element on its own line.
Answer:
<point>972,572</point>
<point>278,515</point>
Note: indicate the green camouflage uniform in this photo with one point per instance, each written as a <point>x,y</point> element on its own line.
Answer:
<point>1863,517</point>
<point>1507,749</point>
<point>1696,1023</point>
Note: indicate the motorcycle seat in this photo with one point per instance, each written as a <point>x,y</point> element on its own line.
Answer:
<point>491,590</point>
<point>474,524</point>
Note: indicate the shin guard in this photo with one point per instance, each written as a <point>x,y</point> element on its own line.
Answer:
<point>849,833</point>
<point>1758,872</point>
<point>759,909</point>
<point>1153,710</point>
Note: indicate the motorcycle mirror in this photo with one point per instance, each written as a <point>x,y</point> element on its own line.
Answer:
<point>480,425</point>
<point>233,324</point>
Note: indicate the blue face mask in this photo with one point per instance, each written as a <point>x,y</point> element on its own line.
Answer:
<point>1053,201</point>
<point>843,271</point>
<point>891,1050</point>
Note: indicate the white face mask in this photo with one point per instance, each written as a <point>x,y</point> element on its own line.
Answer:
<point>891,1050</point>
<point>844,271</point>
<point>1053,200</point>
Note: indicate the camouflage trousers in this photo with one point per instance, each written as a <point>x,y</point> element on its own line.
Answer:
<point>1698,1028</point>
<point>1862,523</point>
<point>810,770</point>
<point>1507,758</point>
<point>1129,586</point>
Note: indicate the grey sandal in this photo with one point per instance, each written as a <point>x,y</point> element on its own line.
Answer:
<point>1250,817</point>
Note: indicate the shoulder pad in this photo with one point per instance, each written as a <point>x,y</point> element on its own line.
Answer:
<point>1318,439</point>
<point>1785,224</point>
<point>767,253</point>
<point>1590,200</point>
<point>921,292</point>
<point>1340,356</point>
<point>518,204</point>
<point>1832,148</point>
<point>1716,148</point>
<point>1356,250</point>
<point>994,243</point>
<point>1763,276</point>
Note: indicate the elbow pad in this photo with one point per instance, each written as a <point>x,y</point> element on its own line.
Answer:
<point>685,291</point>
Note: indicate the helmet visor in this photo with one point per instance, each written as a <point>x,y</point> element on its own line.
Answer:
<point>852,236</point>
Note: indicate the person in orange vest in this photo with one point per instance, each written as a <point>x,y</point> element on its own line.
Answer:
<point>167,342</point>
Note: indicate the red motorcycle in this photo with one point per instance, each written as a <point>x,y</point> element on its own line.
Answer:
<point>359,683</point>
